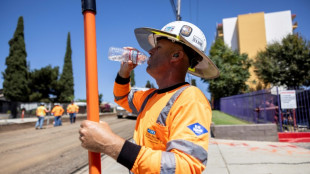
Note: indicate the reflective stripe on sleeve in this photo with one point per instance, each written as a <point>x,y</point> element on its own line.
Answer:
<point>130,102</point>
<point>167,163</point>
<point>117,98</point>
<point>190,148</point>
<point>164,112</point>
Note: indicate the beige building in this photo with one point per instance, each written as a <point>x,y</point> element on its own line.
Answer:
<point>250,33</point>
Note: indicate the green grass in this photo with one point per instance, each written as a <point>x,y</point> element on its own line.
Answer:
<point>220,118</point>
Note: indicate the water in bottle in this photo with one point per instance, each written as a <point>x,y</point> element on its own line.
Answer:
<point>123,55</point>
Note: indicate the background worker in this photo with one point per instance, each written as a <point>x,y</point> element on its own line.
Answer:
<point>40,113</point>
<point>72,109</point>
<point>172,128</point>
<point>57,111</point>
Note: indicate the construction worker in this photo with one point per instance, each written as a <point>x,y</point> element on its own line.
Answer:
<point>40,113</point>
<point>57,111</point>
<point>173,125</point>
<point>72,109</point>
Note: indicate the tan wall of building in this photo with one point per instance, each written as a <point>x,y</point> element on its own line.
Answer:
<point>252,38</point>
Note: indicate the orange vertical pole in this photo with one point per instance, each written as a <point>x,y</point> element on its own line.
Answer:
<point>89,12</point>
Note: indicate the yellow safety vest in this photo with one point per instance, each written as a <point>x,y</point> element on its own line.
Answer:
<point>72,108</point>
<point>57,111</point>
<point>41,111</point>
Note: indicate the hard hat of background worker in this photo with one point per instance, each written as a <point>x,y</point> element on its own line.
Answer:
<point>187,34</point>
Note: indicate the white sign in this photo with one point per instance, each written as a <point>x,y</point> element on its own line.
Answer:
<point>288,99</point>
<point>274,90</point>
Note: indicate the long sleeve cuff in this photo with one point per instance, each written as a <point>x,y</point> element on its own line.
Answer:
<point>128,154</point>
<point>121,80</point>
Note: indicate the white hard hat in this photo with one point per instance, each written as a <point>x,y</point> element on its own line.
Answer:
<point>187,34</point>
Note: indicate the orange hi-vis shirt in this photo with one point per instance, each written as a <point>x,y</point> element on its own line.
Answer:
<point>172,130</point>
<point>72,108</point>
<point>57,111</point>
<point>41,111</point>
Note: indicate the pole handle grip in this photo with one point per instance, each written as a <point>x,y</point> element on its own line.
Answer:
<point>89,5</point>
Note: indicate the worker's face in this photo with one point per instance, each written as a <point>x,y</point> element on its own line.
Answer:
<point>160,56</point>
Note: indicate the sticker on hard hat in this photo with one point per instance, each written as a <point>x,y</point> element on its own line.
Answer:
<point>197,40</point>
<point>186,30</point>
<point>169,29</point>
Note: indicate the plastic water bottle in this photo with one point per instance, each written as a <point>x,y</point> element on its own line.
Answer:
<point>123,55</point>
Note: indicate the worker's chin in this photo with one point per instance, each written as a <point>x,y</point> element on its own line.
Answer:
<point>149,69</point>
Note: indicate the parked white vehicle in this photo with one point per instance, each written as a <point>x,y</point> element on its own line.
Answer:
<point>121,112</point>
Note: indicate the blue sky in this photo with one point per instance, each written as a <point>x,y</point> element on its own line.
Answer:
<point>47,23</point>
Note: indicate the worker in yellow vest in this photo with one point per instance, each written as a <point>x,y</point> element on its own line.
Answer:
<point>72,109</point>
<point>57,111</point>
<point>40,113</point>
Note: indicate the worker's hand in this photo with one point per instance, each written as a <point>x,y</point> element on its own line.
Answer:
<point>98,137</point>
<point>127,67</point>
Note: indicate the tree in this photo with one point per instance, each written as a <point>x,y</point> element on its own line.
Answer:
<point>15,83</point>
<point>100,98</point>
<point>132,78</point>
<point>234,71</point>
<point>43,84</point>
<point>193,82</point>
<point>148,84</point>
<point>66,84</point>
<point>286,63</point>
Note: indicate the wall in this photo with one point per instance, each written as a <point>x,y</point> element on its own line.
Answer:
<point>278,25</point>
<point>230,32</point>
<point>254,132</point>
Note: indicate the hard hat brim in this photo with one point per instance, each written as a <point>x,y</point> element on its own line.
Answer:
<point>146,38</point>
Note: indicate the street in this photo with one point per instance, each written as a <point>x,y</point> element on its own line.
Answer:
<point>51,150</point>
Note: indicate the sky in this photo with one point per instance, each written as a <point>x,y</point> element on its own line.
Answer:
<point>47,23</point>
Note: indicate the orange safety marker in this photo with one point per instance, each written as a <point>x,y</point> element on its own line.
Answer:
<point>89,12</point>
<point>23,114</point>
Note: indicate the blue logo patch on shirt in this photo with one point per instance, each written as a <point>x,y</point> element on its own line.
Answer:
<point>151,131</point>
<point>198,129</point>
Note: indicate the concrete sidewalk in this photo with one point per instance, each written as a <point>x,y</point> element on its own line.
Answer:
<point>241,157</point>
<point>244,157</point>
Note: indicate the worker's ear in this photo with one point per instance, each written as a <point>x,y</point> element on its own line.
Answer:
<point>177,56</point>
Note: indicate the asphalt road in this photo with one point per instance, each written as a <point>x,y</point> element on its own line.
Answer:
<point>51,150</point>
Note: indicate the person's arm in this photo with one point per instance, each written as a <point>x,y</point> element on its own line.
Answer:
<point>98,137</point>
<point>123,95</point>
<point>62,111</point>
<point>53,111</point>
<point>77,109</point>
